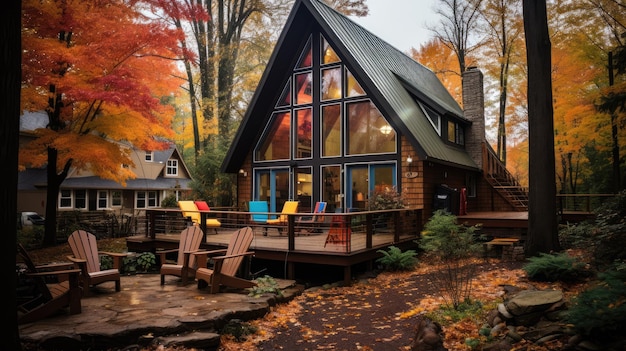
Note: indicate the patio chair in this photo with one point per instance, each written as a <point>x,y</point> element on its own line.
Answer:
<point>54,288</point>
<point>290,207</point>
<point>86,257</point>
<point>191,210</point>
<point>310,224</point>
<point>185,266</point>
<point>226,263</point>
<point>259,213</point>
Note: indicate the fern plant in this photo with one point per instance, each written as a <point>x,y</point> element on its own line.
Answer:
<point>396,260</point>
<point>265,284</point>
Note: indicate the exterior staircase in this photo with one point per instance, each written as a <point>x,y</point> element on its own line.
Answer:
<point>502,180</point>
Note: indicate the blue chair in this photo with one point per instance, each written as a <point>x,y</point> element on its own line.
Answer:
<point>259,213</point>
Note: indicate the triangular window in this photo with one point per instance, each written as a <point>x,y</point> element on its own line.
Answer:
<point>433,117</point>
<point>328,53</point>
<point>353,88</point>
<point>285,97</point>
<point>306,58</point>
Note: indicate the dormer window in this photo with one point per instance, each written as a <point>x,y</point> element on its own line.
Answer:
<point>456,133</point>
<point>149,156</point>
<point>172,168</point>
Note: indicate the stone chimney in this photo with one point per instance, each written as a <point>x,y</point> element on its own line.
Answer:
<point>474,110</point>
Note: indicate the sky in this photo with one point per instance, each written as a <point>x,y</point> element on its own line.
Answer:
<point>401,23</point>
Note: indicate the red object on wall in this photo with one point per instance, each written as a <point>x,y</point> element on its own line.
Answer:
<point>463,202</point>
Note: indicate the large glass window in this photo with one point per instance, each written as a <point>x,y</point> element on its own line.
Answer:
<point>368,131</point>
<point>353,88</point>
<point>331,130</point>
<point>328,54</point>
<point>304,189</point>
<point>275,143</point>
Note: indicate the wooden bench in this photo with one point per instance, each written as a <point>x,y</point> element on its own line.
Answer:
<point>504,246</point>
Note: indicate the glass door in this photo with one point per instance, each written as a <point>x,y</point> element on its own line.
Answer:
<point>273,186</point>
<point>366,179</point>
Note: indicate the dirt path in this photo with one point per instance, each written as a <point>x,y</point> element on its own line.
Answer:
<point>378,313</point>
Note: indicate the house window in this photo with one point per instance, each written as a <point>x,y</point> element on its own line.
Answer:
<point>456,133</point>
<point>304,88</point>
<point>275,143</point>
<point>433,117</point>
<point>172,167</point>
<point>116,198</point>
<point>331,83</point>
<point>65,198</point>
<point>149,156</point>
<point>353,88</point>
<point>146,199</point>
<point>368,131</point>
<point>328,54</point>
<point>470,185</point>
<point>103,199</point>
<point>80,199</point>
<point>304,133</point>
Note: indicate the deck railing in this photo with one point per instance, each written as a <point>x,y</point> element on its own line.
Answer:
<point>338,232</point>
<point>581,202</point>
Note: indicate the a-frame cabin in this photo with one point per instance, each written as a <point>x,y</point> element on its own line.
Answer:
<point>340,114</point>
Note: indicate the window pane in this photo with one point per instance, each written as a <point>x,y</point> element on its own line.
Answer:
<point>304,188</point>
<point>81,199</point>
<point>353,88</point>
<point>275,144</point>
<point>304,133</point>
<point>304,88</point>
<point>66,199</point>
<point>451,130</point>
<point>285,97</point>
<point>331,130</point>
<point>368,131</point>
<point>331,83</point>
<point>116,198</point>
<point>141,199</point>
<point>328,53</point>
<point>305,59</point>
<point>331,187</point>
<point>102,199</point>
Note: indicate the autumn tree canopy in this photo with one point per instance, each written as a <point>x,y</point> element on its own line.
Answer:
<point>101,72</point>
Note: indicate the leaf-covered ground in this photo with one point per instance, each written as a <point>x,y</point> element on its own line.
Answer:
<point>374,313</point>
<point>380,313</point>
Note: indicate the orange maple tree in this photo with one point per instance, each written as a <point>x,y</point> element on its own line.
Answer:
<point>101,71</point>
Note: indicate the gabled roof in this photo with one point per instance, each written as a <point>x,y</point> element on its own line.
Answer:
<point>389,77</point>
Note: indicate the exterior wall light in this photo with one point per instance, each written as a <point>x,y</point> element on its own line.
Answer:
<point>410,173</point>
<point>243,173</point>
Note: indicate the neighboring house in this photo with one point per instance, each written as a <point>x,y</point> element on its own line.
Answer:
<point>159,174</point>
<point>339,115</point>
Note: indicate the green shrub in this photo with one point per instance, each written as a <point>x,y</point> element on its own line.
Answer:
<point>396,260</point>
<point>238,329</point>
<point>600,312</point>
<point>554,267</point>
<point>265,284</point>
<point>453,244</point>
<point>146,261</point>
<point>106,262</point>
<point>169,201</point>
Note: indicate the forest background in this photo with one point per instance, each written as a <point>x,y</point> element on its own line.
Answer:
<point>185,71</point>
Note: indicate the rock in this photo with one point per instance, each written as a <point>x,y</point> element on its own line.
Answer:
<point>532,301</point>
<point>429,336</point>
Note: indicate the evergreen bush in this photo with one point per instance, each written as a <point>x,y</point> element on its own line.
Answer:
<point>554,267</point>
<point>600,312</point>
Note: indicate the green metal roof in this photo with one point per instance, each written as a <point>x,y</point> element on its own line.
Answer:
<point>387,74</point>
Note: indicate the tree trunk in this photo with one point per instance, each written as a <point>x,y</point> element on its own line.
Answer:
<point>10,78</point>
<point>542,217</point>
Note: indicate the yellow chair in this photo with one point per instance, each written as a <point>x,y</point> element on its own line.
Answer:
<point>290,207</point>
<point>191,210</point>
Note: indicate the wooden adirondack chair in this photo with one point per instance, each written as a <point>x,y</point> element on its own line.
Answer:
<point>191,210</point>
<point>185,266</point>
<point>87,257</point>
<point>290,207</point>
<point>226,263</point>
<point>49,298</point>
